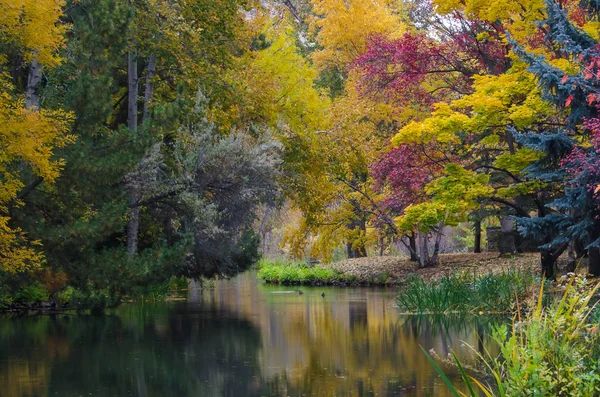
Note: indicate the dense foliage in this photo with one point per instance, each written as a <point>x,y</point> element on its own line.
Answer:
<point>141,140</point>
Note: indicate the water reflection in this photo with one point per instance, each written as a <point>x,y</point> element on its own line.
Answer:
<point>237,338</point>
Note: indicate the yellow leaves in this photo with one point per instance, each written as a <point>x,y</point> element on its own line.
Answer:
<point>343,27</point>
<point>31,136</point>
<point>441,127</point>
<point>565,65</point>
<point>518,16</point>
<point>452,197</point>
<point>512,98</point>
<point>277,84</point>
<point>16,254</point>
<point>517,162</point>
<point>32,26</point>
<point>27,138</point>
<point>593,29</point>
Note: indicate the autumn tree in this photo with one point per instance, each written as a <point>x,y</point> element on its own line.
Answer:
<point>32,36</point>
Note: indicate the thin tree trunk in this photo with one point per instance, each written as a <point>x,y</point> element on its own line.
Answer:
<point>149,90</point>
<point>132,84</point>
<point>34,77</point>
<point>477,242</point>
<point>362,250</point>
<point>436,246</point>
<point>133,224</point>
<point>594,261</point>
<point>349,250</point>
<point>423,251</point>
<point>412,247</point>
<point>571,257</point>
<point>547,260</point>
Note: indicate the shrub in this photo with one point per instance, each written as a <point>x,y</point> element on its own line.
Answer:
<point>465,292</point>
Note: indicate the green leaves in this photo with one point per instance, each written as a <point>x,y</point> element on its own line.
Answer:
<point>451,197</point>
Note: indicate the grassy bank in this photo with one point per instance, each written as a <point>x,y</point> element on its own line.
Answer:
<point>554,350</point>
<point>300,273</point>
<point>390,270</point>
<point>468,292</point>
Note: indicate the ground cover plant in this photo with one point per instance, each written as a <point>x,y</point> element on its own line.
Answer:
<point>289,272</point>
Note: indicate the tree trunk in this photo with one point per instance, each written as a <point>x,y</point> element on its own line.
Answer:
<point>149,90</point>
<point>355,252</point>
<point>436,246</point>
<point>594,251</point>
<point>32,95</point>
<point>477,232</point>
<point>507,237</point>
<point>594,261</point>
<point>132,84</point>
<point>423,251</point>
<point>548,260</point>
<point>133,224</point>
<point>349,252</point>
<point>571,257</point>
<point>412,247</point>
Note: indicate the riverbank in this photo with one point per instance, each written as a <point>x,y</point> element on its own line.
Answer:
<point>391,270</point>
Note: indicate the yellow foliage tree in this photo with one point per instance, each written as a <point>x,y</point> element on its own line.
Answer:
<point>31,27</point>
<point>344,26</point>
<point>27,136</point>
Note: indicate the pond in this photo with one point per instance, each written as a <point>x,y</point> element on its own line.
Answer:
<point>234,338</point>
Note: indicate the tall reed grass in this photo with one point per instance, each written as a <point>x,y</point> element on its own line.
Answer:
<point>465,292</point>
<point>553,351</point>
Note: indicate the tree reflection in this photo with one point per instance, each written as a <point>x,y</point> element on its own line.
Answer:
<point>236,338</point>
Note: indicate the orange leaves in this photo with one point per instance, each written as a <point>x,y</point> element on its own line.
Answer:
<point>568,101</point>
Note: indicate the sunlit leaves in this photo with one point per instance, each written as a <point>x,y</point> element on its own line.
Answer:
<point>343,28</point>
<point>452,197</point>
<point>27,138</point>
<point>32,27</point>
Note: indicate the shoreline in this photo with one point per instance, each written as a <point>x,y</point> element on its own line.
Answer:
<point>393,270</point>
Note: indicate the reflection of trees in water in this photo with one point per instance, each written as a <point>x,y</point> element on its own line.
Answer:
<point>449,328</point>
<point>237,340</point>
<point>358,349</point>
<point>138,354</point>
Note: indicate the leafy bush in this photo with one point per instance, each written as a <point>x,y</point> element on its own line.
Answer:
<point>32,293</point>
<point>465,292</point>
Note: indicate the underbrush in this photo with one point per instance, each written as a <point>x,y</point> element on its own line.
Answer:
<point>287,273</point>
<point>553,351</point>
<point>465,292</point>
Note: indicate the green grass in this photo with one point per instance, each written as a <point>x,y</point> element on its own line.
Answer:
<point>554,350</point>
<point>287,273</point>
<point>491,293</point>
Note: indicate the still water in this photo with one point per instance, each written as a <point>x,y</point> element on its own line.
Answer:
<point>234,338</point>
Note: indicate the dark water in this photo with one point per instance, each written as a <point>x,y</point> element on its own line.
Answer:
<point>236,338</point>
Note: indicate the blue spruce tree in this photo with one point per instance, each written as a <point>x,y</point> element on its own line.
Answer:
<point>571,219</point>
